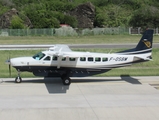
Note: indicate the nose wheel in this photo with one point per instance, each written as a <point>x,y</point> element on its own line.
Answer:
<point>18,79</point>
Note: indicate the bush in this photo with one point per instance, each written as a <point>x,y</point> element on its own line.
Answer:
<point>70,21</point>
<point>17,23</point>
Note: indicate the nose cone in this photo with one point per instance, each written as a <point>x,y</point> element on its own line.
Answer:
<point>19,61</point>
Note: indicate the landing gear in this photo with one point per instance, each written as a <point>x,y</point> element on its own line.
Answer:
<point>18,79</point>
<point>66,80</point>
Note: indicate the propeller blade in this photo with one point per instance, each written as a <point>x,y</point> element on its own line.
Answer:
<point>9,66</point>
<point>9,70</point>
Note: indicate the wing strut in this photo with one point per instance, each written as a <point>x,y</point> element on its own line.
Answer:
<point>59,61</point>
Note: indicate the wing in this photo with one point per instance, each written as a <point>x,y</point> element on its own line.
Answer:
<point>60,48</point>
<point>64,55</point>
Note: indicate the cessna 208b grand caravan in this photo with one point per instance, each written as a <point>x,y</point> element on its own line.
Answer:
<point>61,61</point>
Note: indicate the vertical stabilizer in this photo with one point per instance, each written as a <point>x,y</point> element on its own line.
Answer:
<point>144,45</point>
<point>146,41</point>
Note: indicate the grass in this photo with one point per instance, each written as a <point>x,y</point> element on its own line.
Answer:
<point>150,68</point>
<point>97,39</point>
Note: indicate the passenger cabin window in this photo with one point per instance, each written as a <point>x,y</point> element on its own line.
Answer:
<point>82,59</point>
<point>39,56</point>
<point>97,59</point>
<point>64,59</point>
<point>54,58</point>
<point>47,58</point>
<point>90,59</point>
<point>72,59</point>
<point>104,59</point>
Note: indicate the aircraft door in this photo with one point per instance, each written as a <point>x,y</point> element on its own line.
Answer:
<point>47,61</point>
<point>54,61</point>
<point>59,61</point>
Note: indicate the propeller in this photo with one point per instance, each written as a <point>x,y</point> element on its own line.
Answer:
<point>9,69</point>
<point>9,65</point>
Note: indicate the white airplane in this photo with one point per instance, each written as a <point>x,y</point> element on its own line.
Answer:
<point>61,61</point>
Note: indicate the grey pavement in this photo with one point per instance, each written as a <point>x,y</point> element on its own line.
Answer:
<point>90,98</point>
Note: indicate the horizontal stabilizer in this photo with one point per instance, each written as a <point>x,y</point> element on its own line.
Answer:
<point>143,58</point>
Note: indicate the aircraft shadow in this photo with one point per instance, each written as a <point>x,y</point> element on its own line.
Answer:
<point>130,79</point>
<point>55,86</point>
<point>126,78</point>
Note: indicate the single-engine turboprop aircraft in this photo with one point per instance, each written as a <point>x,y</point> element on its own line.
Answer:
<point>61,61</point>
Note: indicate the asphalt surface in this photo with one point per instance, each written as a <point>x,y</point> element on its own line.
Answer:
<point>26,47</point>
<point>91,98</point>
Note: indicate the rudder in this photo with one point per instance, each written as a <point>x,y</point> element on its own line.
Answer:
<point>146,41</point>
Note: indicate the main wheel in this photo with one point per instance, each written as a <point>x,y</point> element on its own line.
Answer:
<point>18,79</point>
<point>66,81</point>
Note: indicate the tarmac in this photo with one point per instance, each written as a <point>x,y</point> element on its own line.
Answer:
<point>90,98</point>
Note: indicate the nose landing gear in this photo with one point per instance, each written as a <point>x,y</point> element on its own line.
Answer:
<point>18,79</point>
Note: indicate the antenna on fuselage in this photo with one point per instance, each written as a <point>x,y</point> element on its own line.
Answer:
<point>110,51</point>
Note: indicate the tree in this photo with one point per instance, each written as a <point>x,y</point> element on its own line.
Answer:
<point>111,16</point>
<point>99,18</point>
<point>144,17</point>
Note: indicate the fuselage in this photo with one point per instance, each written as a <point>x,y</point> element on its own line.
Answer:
<point>48,62</point>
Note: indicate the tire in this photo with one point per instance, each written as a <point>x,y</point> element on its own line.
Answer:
<point>18,80</point>
<point>66,81</point>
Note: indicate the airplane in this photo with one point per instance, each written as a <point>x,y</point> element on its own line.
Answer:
<point>61,61</point>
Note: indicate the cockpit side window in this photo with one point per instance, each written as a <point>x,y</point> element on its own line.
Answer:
<point>47,58</point>
<point>39,56</point>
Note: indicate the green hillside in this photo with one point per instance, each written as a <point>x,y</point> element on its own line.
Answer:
<point>109,13</point>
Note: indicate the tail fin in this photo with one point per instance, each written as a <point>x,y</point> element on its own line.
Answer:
<point>146,41</point>
<point>144,45</point>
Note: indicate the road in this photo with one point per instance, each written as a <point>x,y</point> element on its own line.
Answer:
<point>91,98</point>
<point>26,47</point>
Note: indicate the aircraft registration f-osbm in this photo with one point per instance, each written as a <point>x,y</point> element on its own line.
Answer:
<point>61,61</point>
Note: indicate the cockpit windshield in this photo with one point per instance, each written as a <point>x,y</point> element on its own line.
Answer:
<point>39,56</point>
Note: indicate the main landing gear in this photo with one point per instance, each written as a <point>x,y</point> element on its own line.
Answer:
<point>66,80</point>
<point>18,79</point>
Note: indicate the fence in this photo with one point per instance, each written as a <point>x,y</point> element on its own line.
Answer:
<point>139,31</point>
<point>69,31</point>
